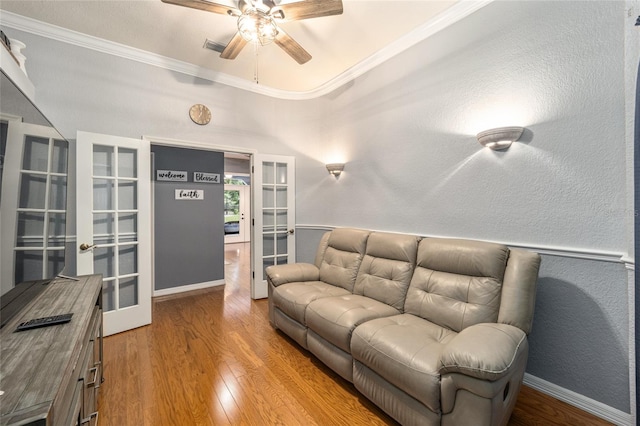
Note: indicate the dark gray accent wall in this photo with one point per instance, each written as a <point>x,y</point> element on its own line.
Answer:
<point>189,235</point>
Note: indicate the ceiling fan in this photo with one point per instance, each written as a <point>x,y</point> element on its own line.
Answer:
<point>258,21</point>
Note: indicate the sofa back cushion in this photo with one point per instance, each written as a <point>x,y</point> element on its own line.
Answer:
<point>343,254</point>
<point>387,268</point>
<point>457,283</point>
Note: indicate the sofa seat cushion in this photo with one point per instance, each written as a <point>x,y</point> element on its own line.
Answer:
<point>404,350</point>
<point>292,298</point>
<point>335,318</point>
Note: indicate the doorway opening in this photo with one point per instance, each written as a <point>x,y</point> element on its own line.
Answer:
<point>271,216</point>
<point>189,235</point>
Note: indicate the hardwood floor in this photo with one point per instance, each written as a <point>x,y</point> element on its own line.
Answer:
<point>211,358</point>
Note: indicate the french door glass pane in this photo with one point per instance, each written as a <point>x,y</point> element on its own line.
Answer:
<point>266,262</point>
<point>30,229</point>
<point>33,189</point>
<point>57,193</point>
<point>127,195</point>
<point>128,292</point>
<point>36,154</point>
<point>281,196</point>
<point>28,265</point>
<point>59,156</point>
<point>103,159</point>
<point>55,260</point>
<point>127,163</point>
<point>267,197</point>
<point>268,222</point>
<point>103,261</point>
<point>56,230</point>
<point>281,170</point>
<point>127,227</point>
<point>268,173</point>
<point>103,194</point>
<point>103,228</point>
<point>281,220</point>
<point>128,260</point>
<point>281,242</point>
<point>108,295</point>
<point>267,245</point>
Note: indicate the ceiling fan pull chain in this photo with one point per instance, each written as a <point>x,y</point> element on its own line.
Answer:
<point>255,72</point>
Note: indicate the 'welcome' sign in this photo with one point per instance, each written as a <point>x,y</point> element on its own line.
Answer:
<point>171,175</point>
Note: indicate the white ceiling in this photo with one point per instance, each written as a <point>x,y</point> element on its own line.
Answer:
<point>342,46</point>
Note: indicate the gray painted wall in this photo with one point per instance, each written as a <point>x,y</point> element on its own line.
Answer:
<point>407,132</point>
<point>188,235</point>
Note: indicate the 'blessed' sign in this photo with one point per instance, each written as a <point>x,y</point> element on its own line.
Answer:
<point>206,177</point>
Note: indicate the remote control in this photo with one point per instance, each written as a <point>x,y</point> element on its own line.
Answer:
<point>44,322</point>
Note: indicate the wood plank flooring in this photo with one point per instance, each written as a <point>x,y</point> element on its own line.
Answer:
<point>211,358</point>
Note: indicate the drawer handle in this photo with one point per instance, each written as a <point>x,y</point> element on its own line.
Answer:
<point>93,370</point>
<point>86,420</point>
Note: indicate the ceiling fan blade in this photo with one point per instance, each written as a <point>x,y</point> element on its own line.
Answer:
<point>234,47</point>
<point>309,9</point>
<point>209,6</point>
<point>292,47</point>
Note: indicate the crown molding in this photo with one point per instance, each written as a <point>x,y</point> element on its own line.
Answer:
<point>450,16</point>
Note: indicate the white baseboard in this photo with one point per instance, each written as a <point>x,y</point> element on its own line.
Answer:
<point>589,405</point>
<point>190,287</point>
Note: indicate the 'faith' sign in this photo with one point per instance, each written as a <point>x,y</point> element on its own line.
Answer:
<point>189,194</point>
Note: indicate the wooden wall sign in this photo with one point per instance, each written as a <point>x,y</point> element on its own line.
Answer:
<point>206,177</point>
<point>171,175</point>
<point>189,194</point>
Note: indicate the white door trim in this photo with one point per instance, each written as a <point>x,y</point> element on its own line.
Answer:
<point>202,146</point>
<point>198,145</point>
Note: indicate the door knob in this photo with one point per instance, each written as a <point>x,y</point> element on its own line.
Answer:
<point>85,246</point>
<point>291,231</point>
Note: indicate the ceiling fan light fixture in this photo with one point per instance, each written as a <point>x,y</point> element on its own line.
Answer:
<point>256,26</point>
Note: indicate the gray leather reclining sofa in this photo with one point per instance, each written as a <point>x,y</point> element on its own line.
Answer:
<point>432,330</point>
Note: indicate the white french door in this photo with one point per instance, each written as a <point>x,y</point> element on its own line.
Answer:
<point>273,184</point>
<point>113,225</point>
<point>33,240</point>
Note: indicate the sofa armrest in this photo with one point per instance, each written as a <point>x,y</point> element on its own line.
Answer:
<point>292,272</point>
<point>485,351</point>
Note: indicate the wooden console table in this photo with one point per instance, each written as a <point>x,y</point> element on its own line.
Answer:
<point>51,375</point>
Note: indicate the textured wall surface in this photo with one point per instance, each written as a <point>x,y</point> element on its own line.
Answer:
<point>406,130</point>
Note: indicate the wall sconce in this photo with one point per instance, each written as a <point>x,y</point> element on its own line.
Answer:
<point>500,138</point>
<point>335,169</point>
